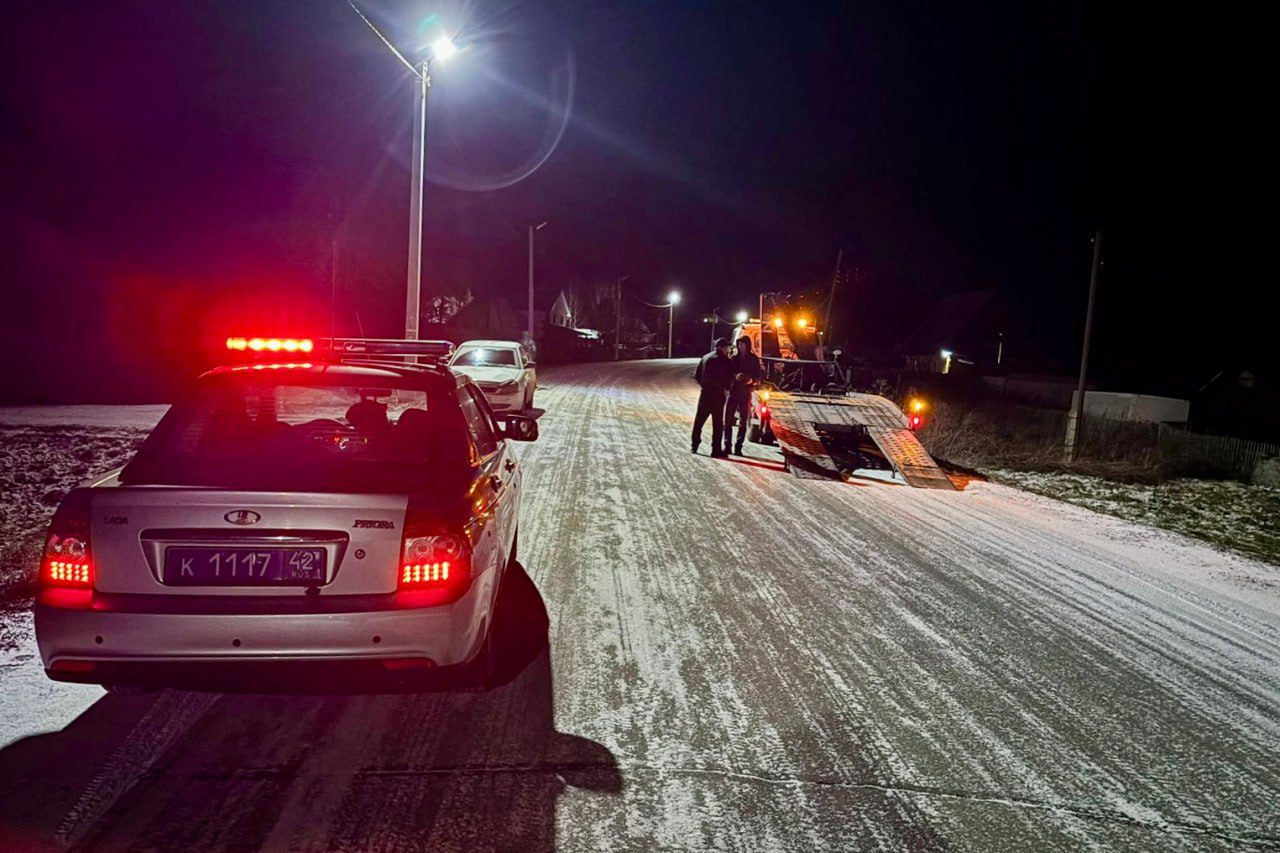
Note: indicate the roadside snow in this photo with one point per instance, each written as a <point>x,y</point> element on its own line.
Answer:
<point>118,417</point>
<point>33,703</point>
<point>38,465</point>
<point>1231,515</point>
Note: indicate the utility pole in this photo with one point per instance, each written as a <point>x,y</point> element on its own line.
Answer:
<point>411,309</point>
<point>529,330</point>
<point>671,317</point>
<point>1072,446</point>
<point>617,318</point>
<point>826,323</point>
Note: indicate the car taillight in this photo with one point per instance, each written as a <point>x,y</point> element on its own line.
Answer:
<point>764,410</point>
<point>916,421</point>
<point>433,560</point>
<point>68,560</point>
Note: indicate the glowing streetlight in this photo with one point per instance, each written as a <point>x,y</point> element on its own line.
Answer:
<point>946,360</point>
<point>443,48</point>
<point>440,49</point>
<point>802,323</point>
<point>742,317</point>
<point>777,322</point>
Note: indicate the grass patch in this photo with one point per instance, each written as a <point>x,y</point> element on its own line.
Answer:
<point>1240,518</point>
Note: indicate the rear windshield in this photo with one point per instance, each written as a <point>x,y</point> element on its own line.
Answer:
<point>486,357</point>
<point>244,433</point>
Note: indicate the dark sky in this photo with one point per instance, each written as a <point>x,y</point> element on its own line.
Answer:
<point>177,172</point>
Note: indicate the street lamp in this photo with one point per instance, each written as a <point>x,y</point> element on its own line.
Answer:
<point>441,49</point>
<point>673,299</point>
<point>533,229</point>
<point>742,317</point>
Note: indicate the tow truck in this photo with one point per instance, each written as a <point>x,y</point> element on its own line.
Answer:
<point>827,430</point>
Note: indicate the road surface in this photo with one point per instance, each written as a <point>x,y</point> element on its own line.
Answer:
<point>715,654</point>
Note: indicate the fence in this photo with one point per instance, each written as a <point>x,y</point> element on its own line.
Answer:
<point>1235,457</point>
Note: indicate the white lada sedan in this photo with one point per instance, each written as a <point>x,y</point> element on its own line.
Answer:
<point>292,525</point>
<point>502,371</point>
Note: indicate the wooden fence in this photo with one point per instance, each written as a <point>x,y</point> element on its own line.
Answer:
<point>1235,457</point>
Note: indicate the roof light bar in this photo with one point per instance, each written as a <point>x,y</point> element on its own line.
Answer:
<point>270,344</point>
<point>343,349</point>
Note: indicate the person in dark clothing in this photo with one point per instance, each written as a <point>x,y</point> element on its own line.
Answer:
<point>715,375</point>
<point>747,373</point>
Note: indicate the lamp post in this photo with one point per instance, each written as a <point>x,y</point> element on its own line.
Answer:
<point>533,229</point>
<point>673,299</point>
<point>617,318</point>
<point>441,49</point>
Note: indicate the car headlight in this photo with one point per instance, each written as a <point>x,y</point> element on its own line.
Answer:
<point>508,387</point>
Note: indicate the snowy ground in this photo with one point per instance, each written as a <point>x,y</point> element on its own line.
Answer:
<point>1229,514</point>
<point>737,659</point>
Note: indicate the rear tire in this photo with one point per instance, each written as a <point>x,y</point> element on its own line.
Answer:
<point>756,434</point>
<point>484,668</point>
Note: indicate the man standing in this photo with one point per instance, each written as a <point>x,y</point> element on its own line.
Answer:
<point>715,375</point>
<point>747,373</point>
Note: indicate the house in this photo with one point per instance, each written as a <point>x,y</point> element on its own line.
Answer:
<point>560,315</point>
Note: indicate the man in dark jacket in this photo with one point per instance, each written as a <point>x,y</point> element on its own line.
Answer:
<point>747,373</point>
<point>715,375</point>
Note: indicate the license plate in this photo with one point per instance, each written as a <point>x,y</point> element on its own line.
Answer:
<point>243,566</point>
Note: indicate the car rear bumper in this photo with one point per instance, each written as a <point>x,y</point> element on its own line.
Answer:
<point>148,644</point>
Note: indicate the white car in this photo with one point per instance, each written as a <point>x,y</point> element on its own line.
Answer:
<point>293,526</point>
<point>501,369</point>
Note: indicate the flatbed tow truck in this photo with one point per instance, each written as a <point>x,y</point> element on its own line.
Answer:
<point>836,433</point>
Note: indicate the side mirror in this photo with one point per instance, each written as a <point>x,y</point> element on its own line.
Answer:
<point>519,428</point>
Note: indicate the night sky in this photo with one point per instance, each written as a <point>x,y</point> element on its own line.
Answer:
<point>175,172</point>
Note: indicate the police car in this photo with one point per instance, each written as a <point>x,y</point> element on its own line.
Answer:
<point>334,509</point>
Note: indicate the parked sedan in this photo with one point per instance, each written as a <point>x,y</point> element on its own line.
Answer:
<point>316,519</point>
<point>502,371</point>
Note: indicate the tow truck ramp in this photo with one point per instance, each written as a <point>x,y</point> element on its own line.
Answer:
<point>814,431</point>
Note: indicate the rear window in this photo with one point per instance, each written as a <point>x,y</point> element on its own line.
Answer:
<point>486,357</point>
<point>244,433</point>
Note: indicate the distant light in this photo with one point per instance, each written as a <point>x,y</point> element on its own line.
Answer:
<point>742,317</point>
<point>674,297</point>
<point>443,48</point>
<point>946,353</point>
<point>777,322</point>
<point>802,323</point>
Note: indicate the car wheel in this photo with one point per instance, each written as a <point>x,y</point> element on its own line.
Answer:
<point>528,400</point>
<point>756,434</point>
<point>484,666</point>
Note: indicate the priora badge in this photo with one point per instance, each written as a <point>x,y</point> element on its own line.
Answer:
<point>242,516</point>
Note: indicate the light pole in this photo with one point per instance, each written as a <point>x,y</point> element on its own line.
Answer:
<point>441,49</point>
<point>533,229</point>
<point>617,318</point>
<point>673,299</point>
<point>414,294</point>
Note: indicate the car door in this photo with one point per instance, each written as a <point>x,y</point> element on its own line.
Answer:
<point>528,374</point>
<point>495,501</point>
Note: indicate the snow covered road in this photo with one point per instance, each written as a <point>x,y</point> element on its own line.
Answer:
<point>737,659</point>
